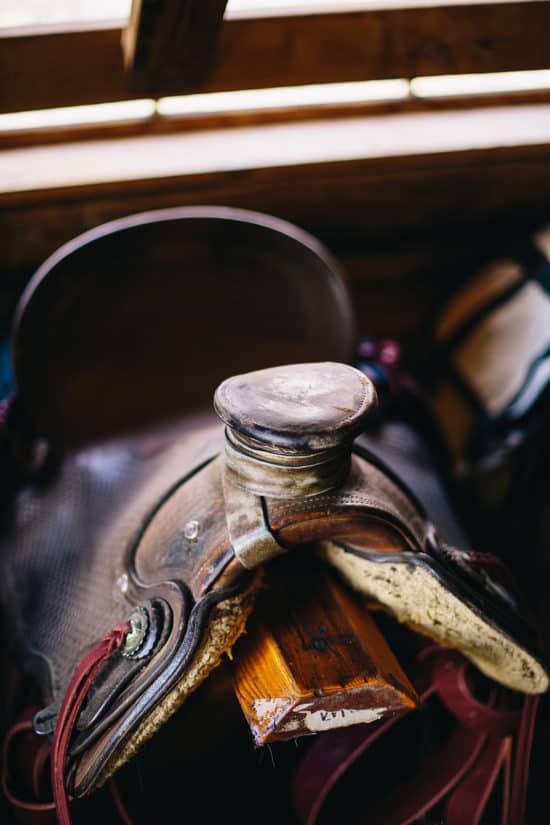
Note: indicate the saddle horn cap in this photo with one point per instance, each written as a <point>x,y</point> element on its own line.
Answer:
<point>297,408</point>
<point>289,429</point>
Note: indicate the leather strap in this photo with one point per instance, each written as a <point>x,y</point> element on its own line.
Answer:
<point>30,756</point>
<point>38,752</point>
<point>469,797</point>
<point>432,782</point>
<point>327,761</point>
<point>450,675</point>
<point>68,713</point>
<point>488,738</point>
<point>331,756</point>
<point>523,746</point>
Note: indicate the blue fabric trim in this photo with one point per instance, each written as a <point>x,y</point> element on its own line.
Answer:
<point>7,380</point>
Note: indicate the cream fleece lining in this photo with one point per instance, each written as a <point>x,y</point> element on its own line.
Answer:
<point>416,598</point>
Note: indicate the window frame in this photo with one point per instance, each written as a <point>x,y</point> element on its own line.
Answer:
<point>87,65</point>
<point>406,226</point>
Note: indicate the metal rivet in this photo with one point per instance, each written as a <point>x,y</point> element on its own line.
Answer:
<point>44,720</point>
<point>139,627</point>
<point>191,530</point>
<point>122,583</point>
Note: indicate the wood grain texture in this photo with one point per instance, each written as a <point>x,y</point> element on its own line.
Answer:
<point>399,41</point>
<point>87,66</point>
<point>313,659</point>
<point>171,41</point>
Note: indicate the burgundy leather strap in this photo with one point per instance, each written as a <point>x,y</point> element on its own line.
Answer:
<point>521,759</point>
<point>469,798</point>
<point>30,752</point>
<point>75,695</point>
<point>337,750</point>
<point>450,679</point>
<point>325,763</point>
<point>38,751</point>
<point>330,757</point>
<point>463,771</point>
<point>431,783</point>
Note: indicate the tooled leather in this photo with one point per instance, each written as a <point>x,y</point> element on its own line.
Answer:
<point>165,551</point>
<point>58,578</point>
<point>98,751</point>
<point>65,550</point>
<point>367,489</point>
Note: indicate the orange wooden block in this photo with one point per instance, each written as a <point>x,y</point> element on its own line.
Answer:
<point>313,659</point>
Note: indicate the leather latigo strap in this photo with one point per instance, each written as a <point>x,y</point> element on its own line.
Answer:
<point>486,739</point>
<point>170,535</point>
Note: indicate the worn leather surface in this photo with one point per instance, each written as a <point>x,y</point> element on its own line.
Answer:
<point>305,407</point>
<point>66,544</point>
<point>111,519</point>
<point>120,511</point>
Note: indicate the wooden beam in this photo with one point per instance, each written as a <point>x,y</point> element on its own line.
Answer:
<point>67,68</point>
<point>155,124</point>
<point>171,42</point>
<point>87,66</point>
<point>277,151</point>
<point>396,41</point>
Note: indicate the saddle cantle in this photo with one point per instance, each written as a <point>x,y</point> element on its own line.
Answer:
<point>136,322</point>
<point>160,528</point>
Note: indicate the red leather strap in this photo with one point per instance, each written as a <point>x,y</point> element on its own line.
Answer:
<point>68,713</point>
<point>330,757</point>
<point>37,751</point>
<point>30,749</point>
<point>521,759</point>
<point>469,798</point>
<point>463,771</point>
<point>431,783</point>
<point>325,763</point>
<point>450,678</point>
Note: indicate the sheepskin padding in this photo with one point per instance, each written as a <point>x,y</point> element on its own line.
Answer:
<point>417,598</point>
